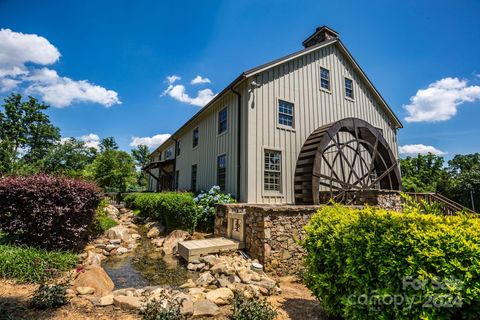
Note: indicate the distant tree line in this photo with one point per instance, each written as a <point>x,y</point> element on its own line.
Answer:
<point>30,143</point>
<point>459,180</point>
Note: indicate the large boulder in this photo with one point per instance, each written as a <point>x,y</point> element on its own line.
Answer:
<point>119,232</point>
<point>127,302</point>
<point>171,241</point>
<point>220,296</point>
<point>205,308</point>
<point>96,278</point>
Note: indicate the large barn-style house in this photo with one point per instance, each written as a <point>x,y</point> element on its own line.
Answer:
<point>301,129</point>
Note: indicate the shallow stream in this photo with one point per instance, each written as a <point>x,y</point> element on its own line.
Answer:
<point>146,267</point>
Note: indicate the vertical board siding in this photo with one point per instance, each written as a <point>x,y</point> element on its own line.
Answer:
<point>298,81</point>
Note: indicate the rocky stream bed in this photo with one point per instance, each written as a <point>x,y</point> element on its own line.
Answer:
<point>136,262</point>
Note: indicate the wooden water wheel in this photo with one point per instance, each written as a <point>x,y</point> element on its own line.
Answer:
<point>343,159</point>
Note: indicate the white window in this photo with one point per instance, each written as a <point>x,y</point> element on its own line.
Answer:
<point>349,88</point>
<point>285,113</point>
<point>272,171</point>
<point>325,78</point>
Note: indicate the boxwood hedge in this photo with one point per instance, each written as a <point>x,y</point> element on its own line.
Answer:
<point>376,264</point>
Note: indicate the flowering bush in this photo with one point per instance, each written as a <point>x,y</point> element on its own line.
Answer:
<point>206,202</point>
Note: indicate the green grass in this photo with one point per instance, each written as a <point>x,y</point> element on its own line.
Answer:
<point>27,264</point>
<point>106,223</point>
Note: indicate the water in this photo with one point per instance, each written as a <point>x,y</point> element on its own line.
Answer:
<point>145,267</point>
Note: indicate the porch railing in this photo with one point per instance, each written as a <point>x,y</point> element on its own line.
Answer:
<point>448,206</point>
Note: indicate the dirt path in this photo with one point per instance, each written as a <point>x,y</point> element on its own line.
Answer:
<point>294,303</point>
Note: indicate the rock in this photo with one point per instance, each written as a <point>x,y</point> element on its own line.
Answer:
<point>153,232</point>
<point>218,268</point>
<point>70,293</point>
<point>173,239</point>
<point>85,290</point>
<point>234,279</point>
<point>205,308</point>
<point>115,241</point>
<point>127,302</point>
<point>112,211</point>
<point>110,247</point>
<point>158,242</point>
<point>266,283</point>
<point>118,232</point>
<point>106,300</point>
<point>223,283</point>
<point>95,277</point>
<point>89,247</point>
<point>93,258</point>
<point>122,250</point>
<point>100,245</point>
<point>188,284</point>
<point>136,236</point>
<point>220,296</point>
<point>195,267</point>
<point>248,276</point>
<point>210,260</point>
<point>186,307</point>
<point>205,279</point>
<point>122,292</point>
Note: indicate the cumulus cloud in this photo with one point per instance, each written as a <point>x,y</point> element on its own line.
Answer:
<point>91,140</point>
<point>151,142</point>
<point>62,91</point>
<point>20,56</point>
<point>439,102</point>
<point>415,149</point>
<point>178,92</point>
<point>199,80</point>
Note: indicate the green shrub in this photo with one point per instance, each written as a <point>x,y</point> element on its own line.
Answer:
<point>50,296</point>
<point>251,309</point>
<point>155,310</point>
<point>206,202</point>
<point>102,221</point>
<point>27,264</point>
<point>376,264</point>
<point>173,209</point>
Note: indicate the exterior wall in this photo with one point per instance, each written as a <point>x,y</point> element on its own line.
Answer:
<point>298,81</point>
<point>272,232</point>
<point>211,145</point>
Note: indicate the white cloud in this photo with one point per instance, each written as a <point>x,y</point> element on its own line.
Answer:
<point>199,80</point>
<point>7,84</point>
<point>91,140</point>
<point>18,51</point>
<point>151,142</point>
<point>415,149</point>
<point>62,91</point>
<point>439,102</point>
<point>171,79</point>
<point>17,48</point>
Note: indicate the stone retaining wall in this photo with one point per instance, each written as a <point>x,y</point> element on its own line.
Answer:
<point>272,232</point>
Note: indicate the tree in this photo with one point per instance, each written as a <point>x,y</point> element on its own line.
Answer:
<point>465,179</point>
<point>108,144</point>
<point>142,157</point>
<point>26,133</point>
<point>69,158</point>
<point>423,173</point>
<point>112,169</point>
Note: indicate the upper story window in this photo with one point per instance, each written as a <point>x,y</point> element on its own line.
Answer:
<point>222,120</point>
<point>325,78</point>
<point>178,148</point>
<point>272,171</point>
<point>349,88</point>
<point>222,171</point>
<point>195,137</point>
<point>285,113</point>
<point>167,154</point>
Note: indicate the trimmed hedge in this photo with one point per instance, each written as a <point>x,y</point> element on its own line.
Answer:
<point>377,264</point>
<point>48,212</point>
<point>173,209</point>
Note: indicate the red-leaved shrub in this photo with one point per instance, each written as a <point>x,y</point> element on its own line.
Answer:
<point>48,212</point>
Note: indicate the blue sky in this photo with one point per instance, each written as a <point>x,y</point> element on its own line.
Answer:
<point>128,49</point>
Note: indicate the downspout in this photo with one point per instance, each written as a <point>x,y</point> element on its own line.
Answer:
<point>239,139</point>
<point>175,183</point>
